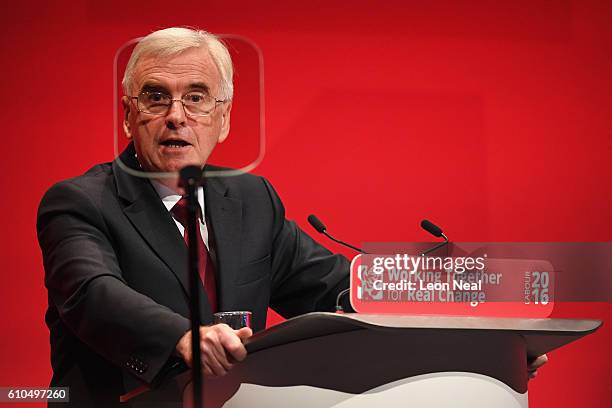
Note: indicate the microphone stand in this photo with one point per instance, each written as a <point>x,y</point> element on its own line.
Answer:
<point>440,245</point>
<point>343,243</point>
<point>321,228</point>
<point>191,178</point>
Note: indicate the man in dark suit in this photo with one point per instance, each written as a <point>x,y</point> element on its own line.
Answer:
<point>113,249</point>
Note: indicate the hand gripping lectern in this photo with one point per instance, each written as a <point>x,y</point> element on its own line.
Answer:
<point>360,360</point>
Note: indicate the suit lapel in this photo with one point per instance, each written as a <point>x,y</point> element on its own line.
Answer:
<point>150,217</point>
<point>225,215</point>
<point>158,229</point>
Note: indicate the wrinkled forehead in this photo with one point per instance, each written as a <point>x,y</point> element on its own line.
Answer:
<point>192,68</point>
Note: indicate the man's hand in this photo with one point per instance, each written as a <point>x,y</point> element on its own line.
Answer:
<point>220,346</point>
<point>532,366</point>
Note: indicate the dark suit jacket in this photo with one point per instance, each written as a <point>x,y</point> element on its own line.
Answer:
<point>116,273</point>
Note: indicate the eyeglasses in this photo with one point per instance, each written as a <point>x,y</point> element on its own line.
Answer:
<point>194,103</point>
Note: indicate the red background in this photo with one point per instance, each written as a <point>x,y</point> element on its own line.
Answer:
<point>490,118</point>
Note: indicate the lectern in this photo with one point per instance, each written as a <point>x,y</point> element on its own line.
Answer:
<point>360,360</point>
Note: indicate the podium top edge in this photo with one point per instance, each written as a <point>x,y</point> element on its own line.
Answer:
<point>339,322</point>
<point>541,335</point>
<point>577,326</point>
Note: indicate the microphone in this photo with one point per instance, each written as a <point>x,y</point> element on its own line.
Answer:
<point>316,223</point>
<point>321,228</point>
<point>436,231</point>
<point>432,228</point>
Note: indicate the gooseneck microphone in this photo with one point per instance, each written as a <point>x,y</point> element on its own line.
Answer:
<point>321,228</point>
<point>436,231</point>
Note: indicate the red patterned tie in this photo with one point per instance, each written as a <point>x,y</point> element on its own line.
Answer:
<point>207,269</point>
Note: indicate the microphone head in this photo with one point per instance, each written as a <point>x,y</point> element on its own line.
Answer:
<point>316,223</point>
<point>191,172</point>
<point>432,228</point>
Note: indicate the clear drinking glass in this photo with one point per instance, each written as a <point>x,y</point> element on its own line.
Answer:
<point>236,319</point>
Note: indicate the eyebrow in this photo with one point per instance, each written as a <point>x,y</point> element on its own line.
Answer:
<point>201,86</point>
<point>153,87</point>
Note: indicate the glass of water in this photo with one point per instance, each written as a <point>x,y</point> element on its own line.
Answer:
<point>236,319</point>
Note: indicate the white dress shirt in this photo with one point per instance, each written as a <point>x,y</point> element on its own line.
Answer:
<point>170,198</point>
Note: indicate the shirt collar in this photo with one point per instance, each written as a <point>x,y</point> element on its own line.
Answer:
<point>169,197</point>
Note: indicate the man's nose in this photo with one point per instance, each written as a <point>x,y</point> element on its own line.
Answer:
<point>176,114</point>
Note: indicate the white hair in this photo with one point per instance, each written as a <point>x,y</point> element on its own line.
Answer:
<point>172,41</point>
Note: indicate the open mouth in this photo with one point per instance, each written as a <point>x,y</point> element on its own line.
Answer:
<point>175,143</point>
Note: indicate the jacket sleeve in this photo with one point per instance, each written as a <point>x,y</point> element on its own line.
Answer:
<point>306,277</point>
<point>86,286</point>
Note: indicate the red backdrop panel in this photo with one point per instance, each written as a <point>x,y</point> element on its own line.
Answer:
<point>491,118</point>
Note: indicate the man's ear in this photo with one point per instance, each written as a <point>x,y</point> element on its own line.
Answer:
<point>225,123</point>
<point>125,102</point>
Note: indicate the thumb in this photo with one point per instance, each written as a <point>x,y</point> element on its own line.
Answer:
<point>244,333</point>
